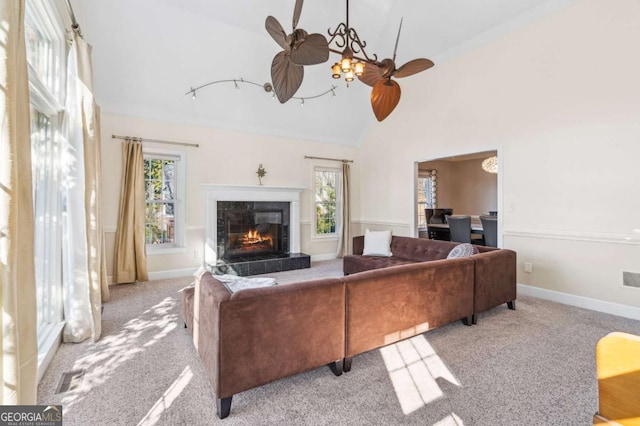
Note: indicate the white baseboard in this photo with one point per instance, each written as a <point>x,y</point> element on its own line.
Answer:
<point>163,275</point>
<point>174,273</point>
<point>321,257</point>
<point>581,301</point>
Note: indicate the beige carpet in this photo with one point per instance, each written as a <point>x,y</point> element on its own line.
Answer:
<point>532,366</point>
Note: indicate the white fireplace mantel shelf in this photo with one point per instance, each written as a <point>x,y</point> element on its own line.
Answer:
<point>216,192</point>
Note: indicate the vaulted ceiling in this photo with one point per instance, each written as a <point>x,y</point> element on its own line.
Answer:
<point>148,54</point>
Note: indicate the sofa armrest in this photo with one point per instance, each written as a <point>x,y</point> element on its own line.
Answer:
<point>209,295</point>
<point>495,279</point>
<point>358,245</point>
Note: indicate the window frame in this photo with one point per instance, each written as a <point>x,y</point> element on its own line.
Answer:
<point>432,176</point>
<point>46,98</point>
<point>179,157</point>
<point>314,222</point>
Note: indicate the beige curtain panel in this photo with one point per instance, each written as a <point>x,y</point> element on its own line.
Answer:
<point>344,238</point>
<point>98,284</point>
<point>130,251</point>
<point>17,270</point>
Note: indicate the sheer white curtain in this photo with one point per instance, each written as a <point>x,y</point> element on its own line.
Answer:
<point>84,276</point>
<point>17,271</point>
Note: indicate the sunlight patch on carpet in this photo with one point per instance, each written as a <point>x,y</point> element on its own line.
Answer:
<point>165,401</point>
<point>450,420</point>
<point>413,367</point>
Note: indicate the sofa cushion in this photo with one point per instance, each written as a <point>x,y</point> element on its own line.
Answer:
<point>377,243</point>
<point>462,250</point>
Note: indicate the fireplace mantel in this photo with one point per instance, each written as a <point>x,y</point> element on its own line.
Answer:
<point>215,193</point>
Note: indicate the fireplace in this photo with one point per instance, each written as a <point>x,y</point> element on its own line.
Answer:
<point>253,232</point>
<point>252,229</point>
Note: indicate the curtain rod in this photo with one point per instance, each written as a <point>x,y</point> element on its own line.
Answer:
<point>195,145</point>
<point>329,159</point>
<point>74,23</point>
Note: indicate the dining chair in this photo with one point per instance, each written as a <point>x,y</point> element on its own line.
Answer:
<point>459,228</point>
<point>490,230</point>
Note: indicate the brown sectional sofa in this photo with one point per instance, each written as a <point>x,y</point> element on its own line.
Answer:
<point>494,269</point>
<point>388,305</point>
<point>256,336</point>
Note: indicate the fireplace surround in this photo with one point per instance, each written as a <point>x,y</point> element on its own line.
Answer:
<point>253,229</point>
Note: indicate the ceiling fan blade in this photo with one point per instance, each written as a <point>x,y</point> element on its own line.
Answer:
<point>296,13</point>
<point>310,51</point>
<point>275,30</point>
<point>384,98</point>
<point>285,76</point>
<point>371,75</point>
<point>413,67</point>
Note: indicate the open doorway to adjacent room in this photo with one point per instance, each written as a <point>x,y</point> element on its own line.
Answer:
<point>466,184</point>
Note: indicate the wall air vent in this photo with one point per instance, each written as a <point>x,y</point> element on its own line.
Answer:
<point>631,279</point>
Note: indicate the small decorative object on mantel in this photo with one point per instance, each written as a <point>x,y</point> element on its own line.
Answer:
<point>261,173</point>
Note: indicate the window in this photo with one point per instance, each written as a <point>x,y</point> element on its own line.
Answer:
<point>327,201</point>
<point>164,183</point>
<point>426,194</point>
<point>45,42</point>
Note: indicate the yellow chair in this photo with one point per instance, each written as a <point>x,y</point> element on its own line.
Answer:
<point>618,366</point>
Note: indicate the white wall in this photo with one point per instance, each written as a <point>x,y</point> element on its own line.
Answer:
<point>560,101</point>
<point>224,157</point>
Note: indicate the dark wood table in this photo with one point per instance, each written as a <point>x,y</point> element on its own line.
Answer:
<point>440,231</point>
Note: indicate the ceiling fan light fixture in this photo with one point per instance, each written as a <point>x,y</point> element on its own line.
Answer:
<point>349,76</point>
<point>336,68</point>
<point>346,64</point>
<point>359,68</point>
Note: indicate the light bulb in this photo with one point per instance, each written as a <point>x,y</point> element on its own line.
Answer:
<point>359,68</point>
<point>349,76</point>
<point>336,70</point>
<point>346,65</point>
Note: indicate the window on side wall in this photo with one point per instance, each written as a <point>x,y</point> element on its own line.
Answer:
<point>164,180</point>
<point>46,53</point>
<point>426,195</point>
<point>327,201</point>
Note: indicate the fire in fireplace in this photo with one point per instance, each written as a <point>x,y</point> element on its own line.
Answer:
<point>253,232</point>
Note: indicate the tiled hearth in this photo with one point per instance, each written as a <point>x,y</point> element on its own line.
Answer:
<point>220,198</point>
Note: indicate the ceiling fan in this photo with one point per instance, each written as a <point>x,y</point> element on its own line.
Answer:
<point>386,92</point>
<point>300,48</point>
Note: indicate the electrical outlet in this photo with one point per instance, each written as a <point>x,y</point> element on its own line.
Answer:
<point>528,267</point>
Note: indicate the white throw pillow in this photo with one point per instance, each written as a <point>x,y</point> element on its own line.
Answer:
<point>377,243</point>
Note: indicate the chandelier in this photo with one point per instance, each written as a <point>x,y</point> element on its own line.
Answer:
<point>346,38</point>
<point>490,164</point>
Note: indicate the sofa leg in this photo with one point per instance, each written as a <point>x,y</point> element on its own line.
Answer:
<point>467,320</point>
<point>474,319</point>
<point>347,364</point>
<point>512,305</point>
<point>336,367</point>
<point>223,406</point>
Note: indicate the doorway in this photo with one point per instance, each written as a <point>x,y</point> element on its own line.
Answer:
<point>466,184</point>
